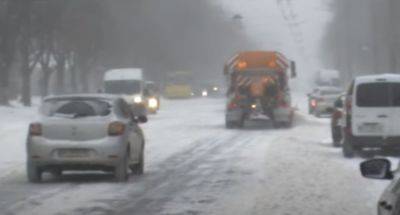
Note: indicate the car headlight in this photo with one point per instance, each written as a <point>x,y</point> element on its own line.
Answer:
<point>204,93</point>
<point>153,103</point>
<point>215,89</point>
<point>137,99</point>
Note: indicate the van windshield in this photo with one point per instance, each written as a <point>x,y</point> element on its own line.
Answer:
<point>378,95</point>
<point>123,87</point>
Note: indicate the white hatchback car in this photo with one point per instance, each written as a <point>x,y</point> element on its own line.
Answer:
<point>85,132</point>
<point>372,114</point>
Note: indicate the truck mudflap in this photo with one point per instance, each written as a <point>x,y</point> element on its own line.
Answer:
<point>234,115</point>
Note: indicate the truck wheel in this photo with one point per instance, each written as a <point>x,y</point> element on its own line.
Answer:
<point>138,169</point>
<point>121,170</point>
<point>34,173</point>
<point>348,149</point>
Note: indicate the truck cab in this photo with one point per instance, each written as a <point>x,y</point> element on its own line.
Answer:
<point>259,88</point>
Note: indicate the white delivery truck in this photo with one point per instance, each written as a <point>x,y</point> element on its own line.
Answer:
<point>129,83</point>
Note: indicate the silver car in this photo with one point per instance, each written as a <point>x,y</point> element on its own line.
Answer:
<point>322,100</point>
<point>85,132</point>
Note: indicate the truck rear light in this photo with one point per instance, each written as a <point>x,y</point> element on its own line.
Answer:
<point>35,129</point>
<point>116,129</point>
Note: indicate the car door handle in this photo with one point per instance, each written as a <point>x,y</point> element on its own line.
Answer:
<point>382,116</point>
<point>385,205</point>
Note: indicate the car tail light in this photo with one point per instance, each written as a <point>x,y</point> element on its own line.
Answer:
<point>313,103</point>
<point>116,129</point>
<point>35,129</point>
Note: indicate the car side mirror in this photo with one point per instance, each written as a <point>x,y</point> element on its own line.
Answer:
<point>376,169</point>
<point>142,119</point>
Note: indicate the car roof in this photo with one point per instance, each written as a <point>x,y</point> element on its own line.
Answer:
<point>377,78</point>
<point>84,96</point>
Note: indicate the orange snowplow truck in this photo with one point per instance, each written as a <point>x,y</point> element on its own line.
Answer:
<point>258,88</point>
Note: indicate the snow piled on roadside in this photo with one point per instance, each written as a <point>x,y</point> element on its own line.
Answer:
<point>14,125</point>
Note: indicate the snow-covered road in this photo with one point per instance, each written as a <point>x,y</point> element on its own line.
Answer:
<point>195,166</point>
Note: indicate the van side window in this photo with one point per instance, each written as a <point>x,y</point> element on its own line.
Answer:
<point>373,95</point>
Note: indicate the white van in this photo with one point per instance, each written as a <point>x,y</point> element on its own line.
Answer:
<point>130,84</point>
<point>372,114</point>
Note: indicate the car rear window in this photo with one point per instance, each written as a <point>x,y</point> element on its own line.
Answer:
<point>75,108</point>
<point>373,95</point>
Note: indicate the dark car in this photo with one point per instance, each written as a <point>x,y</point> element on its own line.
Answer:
<point>389,203</point>
<point>337,121</point>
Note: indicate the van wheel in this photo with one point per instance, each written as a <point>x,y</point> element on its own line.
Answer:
<point>348,148</point>
<point>121,170</point>
<point>33,172</point>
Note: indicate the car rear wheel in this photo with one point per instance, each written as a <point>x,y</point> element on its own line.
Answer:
<point>121,170</point>
<point>33,172</point>
<point>348,148</point>
<point>336,136</point>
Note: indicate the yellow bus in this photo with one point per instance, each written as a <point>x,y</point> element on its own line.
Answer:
<point>178,85</point>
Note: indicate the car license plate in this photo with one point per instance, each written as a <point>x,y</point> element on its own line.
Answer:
<point>73,153</point>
